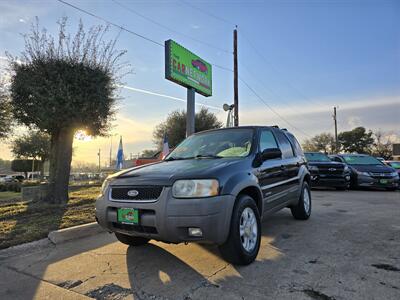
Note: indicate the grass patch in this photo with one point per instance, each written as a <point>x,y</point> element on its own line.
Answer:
<point>27,221</point>
<point>5,196</point>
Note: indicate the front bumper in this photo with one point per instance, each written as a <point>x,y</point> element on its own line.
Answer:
<point>364,181</point>
<point>167,219</point>
<point>329,180</point>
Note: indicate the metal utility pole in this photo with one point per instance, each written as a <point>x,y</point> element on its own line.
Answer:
<point>336,136</point>
<point>190,114</point>
<point>235,79</point>
<point>99,159</point>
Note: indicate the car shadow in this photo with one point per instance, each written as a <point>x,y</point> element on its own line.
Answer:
<point>171,271</point>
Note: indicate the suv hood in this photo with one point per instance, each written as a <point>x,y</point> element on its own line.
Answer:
<point>166,172</point>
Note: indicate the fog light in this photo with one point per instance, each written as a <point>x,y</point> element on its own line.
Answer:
<point>347,178</point>
<point>194,231</point>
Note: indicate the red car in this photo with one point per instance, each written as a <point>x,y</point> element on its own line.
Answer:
<point>199,65</point>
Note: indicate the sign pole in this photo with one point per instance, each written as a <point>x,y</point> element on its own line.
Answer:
<point>235,79</point>
<point>190,113</point>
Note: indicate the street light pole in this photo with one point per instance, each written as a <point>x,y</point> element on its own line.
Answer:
<point>190,113</point>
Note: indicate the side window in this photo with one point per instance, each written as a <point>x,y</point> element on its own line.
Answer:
<point>284,145</point>
<point>335,158</point>
<point>267,140</point>
<point>295,144</point>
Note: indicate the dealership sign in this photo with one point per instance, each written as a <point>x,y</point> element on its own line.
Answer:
<point>187,69</point>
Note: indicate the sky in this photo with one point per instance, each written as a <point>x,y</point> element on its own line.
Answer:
<point>300,58</point>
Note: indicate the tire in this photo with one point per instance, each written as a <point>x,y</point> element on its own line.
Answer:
<point>234,249</point>
<point>341,188</point>
<point>302,211</point>
<point>131,240</point>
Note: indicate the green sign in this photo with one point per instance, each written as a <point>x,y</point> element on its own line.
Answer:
<point>186,68</point>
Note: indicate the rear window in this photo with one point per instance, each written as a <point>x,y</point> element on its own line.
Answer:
<point>284,145</point>
<point>295,144</point>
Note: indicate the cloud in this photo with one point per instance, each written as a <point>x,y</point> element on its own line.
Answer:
<point>372,113</point>
<point>22,20</point>
<point>354,121</point>
<point>195,26</point>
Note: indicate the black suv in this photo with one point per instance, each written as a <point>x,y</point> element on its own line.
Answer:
<point>216,186</point>
<point>369,172</point>
<point>327,173</point>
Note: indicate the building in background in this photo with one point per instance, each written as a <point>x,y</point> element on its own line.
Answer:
<point>396,152</point>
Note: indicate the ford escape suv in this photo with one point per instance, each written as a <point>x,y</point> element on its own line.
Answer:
<point>216,186</point>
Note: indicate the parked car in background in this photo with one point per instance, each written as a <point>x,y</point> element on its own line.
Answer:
<point>394,164</point>
<point>20,178</point>
<point>367,171</point>
<point>216,187</point>
<point>7,178</point>
<point>327,173</point>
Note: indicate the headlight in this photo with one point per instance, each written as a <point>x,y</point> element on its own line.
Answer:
<point>394,174</point>
<point>363,173</point>
<point>196,188</point>
<point>105,185</point>
<point>313,168</point>
<point>346,169</point>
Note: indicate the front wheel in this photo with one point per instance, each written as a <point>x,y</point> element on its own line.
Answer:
<point>243,243</point>
<point>302,210</point>
<point>131,240</point>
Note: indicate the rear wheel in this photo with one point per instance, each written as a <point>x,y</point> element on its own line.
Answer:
<point>243,243</point>
<point>302,210</point>
<point>131,240</point>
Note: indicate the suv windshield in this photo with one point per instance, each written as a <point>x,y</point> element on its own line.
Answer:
<point>317,157</point>
<point>361,160</point>
<point>215,144</point>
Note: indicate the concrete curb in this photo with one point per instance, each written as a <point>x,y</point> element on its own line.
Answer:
<point>76,232</point>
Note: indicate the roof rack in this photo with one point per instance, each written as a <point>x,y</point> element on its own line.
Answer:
<point>275,126</point>
<point>284,129</point>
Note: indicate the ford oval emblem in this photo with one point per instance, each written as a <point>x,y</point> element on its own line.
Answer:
<point>133,193</point>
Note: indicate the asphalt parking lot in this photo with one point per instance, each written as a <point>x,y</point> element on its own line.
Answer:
<point>349,249</point>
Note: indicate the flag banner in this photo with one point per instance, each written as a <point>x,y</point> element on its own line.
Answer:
<point>120,155</point>
<point>165,150</point>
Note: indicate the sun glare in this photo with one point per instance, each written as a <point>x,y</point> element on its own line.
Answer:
<point>81,135</point>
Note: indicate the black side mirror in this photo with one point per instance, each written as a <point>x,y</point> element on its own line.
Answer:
<point>271,153</point>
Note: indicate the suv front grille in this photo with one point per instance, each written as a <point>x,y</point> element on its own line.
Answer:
<point>151,192</point>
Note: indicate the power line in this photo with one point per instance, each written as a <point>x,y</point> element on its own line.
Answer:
<point>277,71</point>
<point>209,14</point>
<point>128,30</point>
<point>272,109</point>
<point>271,91</point>
<point>165,96</point>
<point>111,23</point>
<point>169,28</point>
<point>254,48</point>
